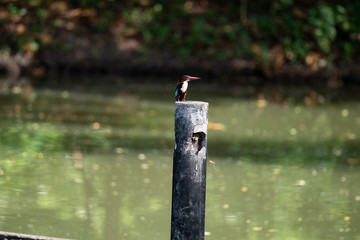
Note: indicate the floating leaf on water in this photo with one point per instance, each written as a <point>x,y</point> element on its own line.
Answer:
<point>144,166</point>
<point>77,155</point>
<point>293,131</point>
<point>96,125</point>
<point>120,150</point>
<point>337,151</point>
<point>297,110</point>
<point>65,94</point>
<point>351,136</point>
<point>230,218</point>
<point>79,180</point>
<point>300,182</point>
<point>276,171</point>
<point>216,126</point>
<point>257,229</point>
<point>142,156</point>
<point>261,103</point>
<point>345,112</point>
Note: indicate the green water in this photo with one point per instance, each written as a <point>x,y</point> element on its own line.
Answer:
<point>96,163</point>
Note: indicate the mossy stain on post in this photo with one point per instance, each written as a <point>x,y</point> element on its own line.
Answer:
<point>189,171</point>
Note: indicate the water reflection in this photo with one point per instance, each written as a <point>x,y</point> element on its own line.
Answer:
<point>259,201</point>
<point>96,166</point>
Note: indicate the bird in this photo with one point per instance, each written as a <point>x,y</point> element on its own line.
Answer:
<point>182,86</point>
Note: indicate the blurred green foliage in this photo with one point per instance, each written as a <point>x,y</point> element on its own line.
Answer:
<point>208,29</point>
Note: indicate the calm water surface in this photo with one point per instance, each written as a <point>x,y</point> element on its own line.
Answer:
<point>85,163</point>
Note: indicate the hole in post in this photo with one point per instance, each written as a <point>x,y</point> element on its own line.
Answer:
<point>198,140</point>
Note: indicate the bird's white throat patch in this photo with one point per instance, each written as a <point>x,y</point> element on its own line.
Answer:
<point>184,86</point>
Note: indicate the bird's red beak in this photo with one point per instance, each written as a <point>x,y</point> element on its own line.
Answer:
<point>193,78</point>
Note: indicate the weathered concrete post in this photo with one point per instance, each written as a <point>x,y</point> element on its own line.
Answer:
<point>189,171</point>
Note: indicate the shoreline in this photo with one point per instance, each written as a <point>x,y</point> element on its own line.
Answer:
<point>112,61</point>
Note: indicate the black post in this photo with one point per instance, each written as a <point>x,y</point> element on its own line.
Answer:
<point>189,171</point>
<point>20,236</point>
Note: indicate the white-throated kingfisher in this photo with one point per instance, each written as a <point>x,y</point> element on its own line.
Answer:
<point>182,86</point>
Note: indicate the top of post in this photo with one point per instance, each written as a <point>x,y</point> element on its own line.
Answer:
<point>192,103</point>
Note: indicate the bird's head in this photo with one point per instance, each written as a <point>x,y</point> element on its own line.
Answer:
<point>186,78</point>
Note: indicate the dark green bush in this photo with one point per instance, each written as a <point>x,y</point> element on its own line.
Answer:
<point>208,29</point>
